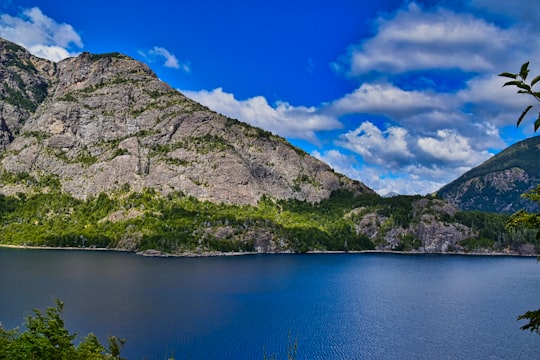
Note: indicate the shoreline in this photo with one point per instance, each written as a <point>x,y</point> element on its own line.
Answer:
<point>157,253</point>
<point>36,247</point>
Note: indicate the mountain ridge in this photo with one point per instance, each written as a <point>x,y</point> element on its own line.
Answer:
<point>497,184</point>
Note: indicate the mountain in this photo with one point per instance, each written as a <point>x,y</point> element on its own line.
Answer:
<point>497,184</point>
<point>390,194</point>
<point>97,152</point>
<point>100,123</point>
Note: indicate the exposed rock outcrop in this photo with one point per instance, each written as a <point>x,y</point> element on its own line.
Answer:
<point>428,231</point>
<point>25,81</point>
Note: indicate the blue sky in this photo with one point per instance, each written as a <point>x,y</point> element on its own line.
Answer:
<point>401,95</point>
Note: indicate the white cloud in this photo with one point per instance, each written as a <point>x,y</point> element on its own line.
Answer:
<point>417,39</point>
<point>170,60</point>
<point>409,180</point>
<point>389,100</point>
<point>387,148</point>
<point>297,122</point>
<point>419,42</point>
<point>488,100</point>
<point>53,53</point>
<point>40,34</point>
<point>449,146</point>
<point>403,183</point>
<point>397,160</point>
<point>489,90</point>
<point>474,110</point>
<point>337,160</point>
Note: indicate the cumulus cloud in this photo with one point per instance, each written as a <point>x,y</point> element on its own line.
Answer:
<point>170,60</point>
<point>419,39</point>
<point>405,161</point>
<point>485,97</point>
<point>412,179</point>
<point>448,146</point>
<point>40,34</point>
<point>389,100</point>
<point>298,122</point>
<point>387,147</point>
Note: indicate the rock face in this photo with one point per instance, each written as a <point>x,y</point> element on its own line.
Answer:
<point>430,232</point>
<point>25,80</point>
<point>497,184</point>
<point>99,123</point>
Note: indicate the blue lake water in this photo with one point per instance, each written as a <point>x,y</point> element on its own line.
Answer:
<point>336,306</point>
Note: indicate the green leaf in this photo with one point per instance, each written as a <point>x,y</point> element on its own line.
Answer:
<point>535,80</point>
<point>514,82</point>
<point>523,114</point>
<point>524,71</point>
<point>524,86</point>
<point>537,123</point>
<point>508,75</point>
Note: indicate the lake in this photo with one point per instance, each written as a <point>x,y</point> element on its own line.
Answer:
<point>336,306</point>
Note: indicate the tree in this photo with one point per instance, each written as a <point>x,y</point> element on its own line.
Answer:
<point>47,338</point>
<point>523,218</point>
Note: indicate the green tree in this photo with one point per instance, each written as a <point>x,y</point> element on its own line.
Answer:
<point>47,338</point>
<point>523,218</point>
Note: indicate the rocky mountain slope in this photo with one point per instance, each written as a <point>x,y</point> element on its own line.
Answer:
<point>25,82</point>
<point>99,123</point>
<point>497,184</point>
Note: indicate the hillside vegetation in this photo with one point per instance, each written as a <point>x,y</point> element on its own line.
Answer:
<point>177,224</point>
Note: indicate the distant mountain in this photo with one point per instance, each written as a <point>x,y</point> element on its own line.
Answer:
<point>390,194</point>
<point>497,184</point>
<point>99,123</point>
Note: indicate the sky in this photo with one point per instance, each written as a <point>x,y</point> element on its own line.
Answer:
<point>401,95</point>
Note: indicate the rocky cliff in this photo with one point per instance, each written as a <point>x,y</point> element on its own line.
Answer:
<point>25,82</point>
<point>497,184</point>
<point>99,123</point>
<point>430,232</point>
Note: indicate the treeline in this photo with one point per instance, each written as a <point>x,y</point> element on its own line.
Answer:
<point>177,223</point>
<point>494,233</point>
<point>174,223</point>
